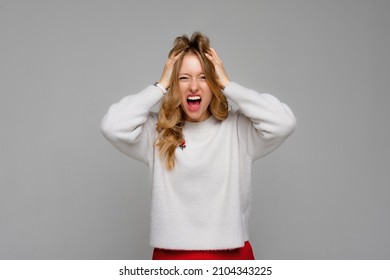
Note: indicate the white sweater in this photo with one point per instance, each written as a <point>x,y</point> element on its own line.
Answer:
<point>204,202</point>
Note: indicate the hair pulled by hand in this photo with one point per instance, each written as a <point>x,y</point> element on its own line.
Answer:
<point>198,42</point>
<point>183,44</point>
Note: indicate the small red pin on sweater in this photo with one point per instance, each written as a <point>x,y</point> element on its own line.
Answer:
<point>183,145</point>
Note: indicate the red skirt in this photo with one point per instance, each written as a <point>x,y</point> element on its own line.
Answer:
<point>244,253</point>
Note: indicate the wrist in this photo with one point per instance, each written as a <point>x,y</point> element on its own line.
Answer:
<point>224,83</point>
<point>161,86</point>
<point>164,83</point>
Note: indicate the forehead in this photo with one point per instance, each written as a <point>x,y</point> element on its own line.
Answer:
<point>191,63</point>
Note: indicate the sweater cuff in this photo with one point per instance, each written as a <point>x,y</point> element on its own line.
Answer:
<point>156,90</point>
<point>233,90</point>
<point>227,86</point>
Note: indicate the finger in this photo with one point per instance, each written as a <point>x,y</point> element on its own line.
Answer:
<point>208,56</point>
<point>215,55</point>
<point>175,56</point>
<point>209,53</point>
<point>211,57</point>
<point>213,52</point>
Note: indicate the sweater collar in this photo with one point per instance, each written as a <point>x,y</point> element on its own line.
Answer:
<point>206,124</point>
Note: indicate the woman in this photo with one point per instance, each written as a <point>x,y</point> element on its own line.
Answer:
<point>200,153</point>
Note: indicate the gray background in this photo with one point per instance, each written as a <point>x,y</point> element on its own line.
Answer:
<point>66,193</point>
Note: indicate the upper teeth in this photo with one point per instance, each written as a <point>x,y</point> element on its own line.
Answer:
<point>193,97</point>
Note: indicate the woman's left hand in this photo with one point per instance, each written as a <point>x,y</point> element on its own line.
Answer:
<point>223,78</point>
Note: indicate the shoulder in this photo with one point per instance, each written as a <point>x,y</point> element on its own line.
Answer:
<point>235,114</point>
<point>236,119</point>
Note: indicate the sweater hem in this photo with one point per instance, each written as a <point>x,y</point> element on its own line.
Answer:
<point>202,250</point>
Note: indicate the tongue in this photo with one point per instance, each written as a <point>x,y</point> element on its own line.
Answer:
<point>194,105</point>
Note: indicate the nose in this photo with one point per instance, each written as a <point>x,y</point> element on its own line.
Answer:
<point>194,85</point>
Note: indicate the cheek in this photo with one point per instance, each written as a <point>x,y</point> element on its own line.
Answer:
<point>207,94</point>
<point>182,92</point>
<point>181,88</point>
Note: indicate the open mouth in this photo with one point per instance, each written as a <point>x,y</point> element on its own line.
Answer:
<point>193,102</point>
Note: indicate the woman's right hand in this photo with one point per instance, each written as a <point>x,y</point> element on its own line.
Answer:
<point>165,79</point>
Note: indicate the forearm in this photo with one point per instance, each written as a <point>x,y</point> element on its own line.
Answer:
<point>124,120</point>
<point>268,114</point>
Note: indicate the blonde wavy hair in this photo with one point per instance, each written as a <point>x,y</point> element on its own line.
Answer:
<point>171,118</point>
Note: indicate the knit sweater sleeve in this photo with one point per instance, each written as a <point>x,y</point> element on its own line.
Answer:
<point>130,126</point>
<point>264,122</point>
